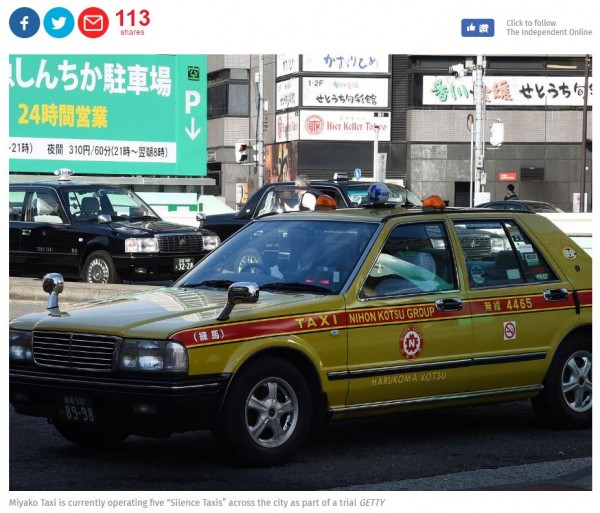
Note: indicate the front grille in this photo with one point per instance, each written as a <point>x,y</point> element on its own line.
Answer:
<point>74,350</point>
<point>192,244</point>
<point>476,246</point>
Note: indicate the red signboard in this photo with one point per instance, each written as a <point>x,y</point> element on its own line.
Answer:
<point>507,177</point>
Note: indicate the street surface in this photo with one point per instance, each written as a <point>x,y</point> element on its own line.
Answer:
<point>369,454</point>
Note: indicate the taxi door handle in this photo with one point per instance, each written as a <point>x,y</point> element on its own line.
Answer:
<point>556,294</point>
<point>449,304</point>
<point>25,231</point>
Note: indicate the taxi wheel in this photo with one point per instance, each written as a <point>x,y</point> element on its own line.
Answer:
<point>96,436</point>
<point>266,415</point>
<point>566,401</point>
<point>100,268</point>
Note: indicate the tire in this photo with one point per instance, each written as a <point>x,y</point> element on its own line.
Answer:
<point>93,437</point>
<point>99,268</point>
<point>566,401</point>
<point>267,413</point>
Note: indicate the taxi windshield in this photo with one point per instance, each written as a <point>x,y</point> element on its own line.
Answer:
<point>86,203</point>
<point>286,256</point>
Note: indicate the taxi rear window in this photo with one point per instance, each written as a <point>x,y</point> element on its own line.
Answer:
<point>499,253</point>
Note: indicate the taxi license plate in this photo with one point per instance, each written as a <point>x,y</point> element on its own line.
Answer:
<point>183,264</point>
<point>75,408</point>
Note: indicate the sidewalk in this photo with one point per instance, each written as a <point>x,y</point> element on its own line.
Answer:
<point>30,289</point>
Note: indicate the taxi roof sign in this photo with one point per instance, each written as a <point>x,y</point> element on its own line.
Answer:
<point>64,174</point>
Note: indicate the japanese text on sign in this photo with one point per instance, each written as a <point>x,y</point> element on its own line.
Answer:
<point>80,116</point>
<point>333,63</point>
<point>346,92</point>
<point>114,78</point>
<point>508,91</point>
<point>91,149</point>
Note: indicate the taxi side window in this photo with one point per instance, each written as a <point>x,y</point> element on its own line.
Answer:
<point>271,202</point>
<point>335,194</point>
<point>15,204</point>
<point>415,259</point>
<point>498,253</point>
<point>84,204</point>
<point>44,207</point>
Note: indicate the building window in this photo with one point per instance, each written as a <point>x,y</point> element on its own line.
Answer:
<point>532,174</point>
<point>228,93</point>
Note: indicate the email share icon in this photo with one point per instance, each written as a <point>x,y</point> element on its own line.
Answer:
<point>93,23</point>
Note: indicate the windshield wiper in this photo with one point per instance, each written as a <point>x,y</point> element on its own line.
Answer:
<point>217,284</point>
<point>224,284</point>
<point>302,287</point>
<point>143,218</point>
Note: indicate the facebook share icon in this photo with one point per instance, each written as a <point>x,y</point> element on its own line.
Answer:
<point>24,22</point>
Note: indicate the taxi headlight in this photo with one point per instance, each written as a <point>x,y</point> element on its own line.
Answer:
<point>211,242</point>
<point>153,355</point>
<point>20,345</point>
<point>141,245</point>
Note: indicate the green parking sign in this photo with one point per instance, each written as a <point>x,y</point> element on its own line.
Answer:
<point>108,114</point>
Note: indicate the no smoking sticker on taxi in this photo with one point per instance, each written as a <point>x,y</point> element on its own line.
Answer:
<point>510,330</point>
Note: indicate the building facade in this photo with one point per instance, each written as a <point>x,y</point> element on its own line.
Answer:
<point>352,113</point>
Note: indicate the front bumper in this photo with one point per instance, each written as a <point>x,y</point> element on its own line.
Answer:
<point>147,407</point>
<point>138,266</point>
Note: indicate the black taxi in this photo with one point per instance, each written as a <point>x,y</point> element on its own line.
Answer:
<point>280,196</point>
<point>306,317</point>
<point>100,233</point>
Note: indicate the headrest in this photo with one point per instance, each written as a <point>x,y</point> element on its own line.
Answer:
<point>90,205</point>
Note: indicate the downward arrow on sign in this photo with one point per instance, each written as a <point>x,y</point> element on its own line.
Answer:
<point>191,131</point>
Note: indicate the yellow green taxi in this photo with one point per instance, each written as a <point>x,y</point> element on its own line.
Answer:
<point>307,317</point>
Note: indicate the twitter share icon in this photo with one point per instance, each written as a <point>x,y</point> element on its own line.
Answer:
<point>59,22</point>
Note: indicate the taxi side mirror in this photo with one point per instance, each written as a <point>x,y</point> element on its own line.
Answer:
<point>201,218</point>
<point>53,284</point>
<point>239,292</point>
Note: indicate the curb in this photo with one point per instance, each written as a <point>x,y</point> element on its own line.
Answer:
<point>30,289</point>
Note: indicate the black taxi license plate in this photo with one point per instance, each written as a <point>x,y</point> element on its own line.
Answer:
<point>183,264</point>
<point>75,408</point>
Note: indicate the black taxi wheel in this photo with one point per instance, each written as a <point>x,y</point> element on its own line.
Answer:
<point>90,436</point>
<point>566,401</point>
<point>267,415</point>
<point>100,268</point>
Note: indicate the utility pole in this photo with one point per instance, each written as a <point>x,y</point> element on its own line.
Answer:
<point>582,202</point>
<point>471,129</point>
<point>376,174</point>
<point>478,86</point>
<point>260,131</point>
<point>477,129</point>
